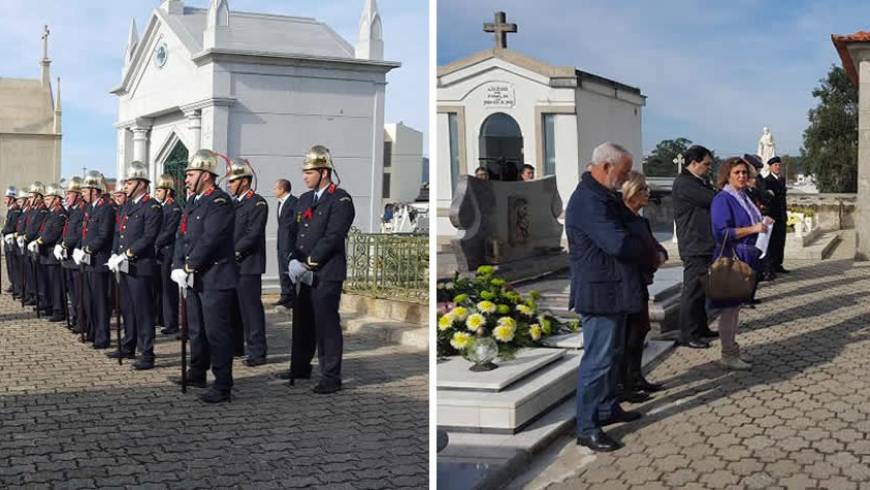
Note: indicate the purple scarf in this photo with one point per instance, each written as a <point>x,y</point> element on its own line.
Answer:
<point>745,203</point>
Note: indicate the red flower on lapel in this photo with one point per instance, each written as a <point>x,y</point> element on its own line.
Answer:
<point>308,214</point>
<point>331,189</point>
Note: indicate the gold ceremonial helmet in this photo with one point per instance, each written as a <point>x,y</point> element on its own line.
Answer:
<point>205,160</point>
<point>36,188</point>
<point>317,157</point>
<point>166,181</point>
<point>94,180</point>
<point>119,187</point>
<point>11,191</point>
<point>138,170</point>
<point>53,190</point>
<point>74,184</point>
<point>240,168</point>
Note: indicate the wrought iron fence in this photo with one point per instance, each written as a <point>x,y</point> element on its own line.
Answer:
<point>388,265</point>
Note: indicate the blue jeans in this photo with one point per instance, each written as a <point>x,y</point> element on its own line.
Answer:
<point>598,376</point>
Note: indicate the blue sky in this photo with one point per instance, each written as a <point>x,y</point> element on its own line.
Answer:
<point>715,72</point>
<point>88,39</point>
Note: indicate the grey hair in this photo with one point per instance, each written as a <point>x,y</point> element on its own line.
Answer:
<point>609,153</point>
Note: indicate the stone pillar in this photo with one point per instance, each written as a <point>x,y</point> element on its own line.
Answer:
<point>194,124</point>
<point>862,214</point>
<point>140,144</point>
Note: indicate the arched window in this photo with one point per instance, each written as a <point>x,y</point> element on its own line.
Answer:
<point>501,146</point>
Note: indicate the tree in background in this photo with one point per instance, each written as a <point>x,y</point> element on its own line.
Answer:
<point>791,167</point>
<point>830,149</point>
<point>660,162</point>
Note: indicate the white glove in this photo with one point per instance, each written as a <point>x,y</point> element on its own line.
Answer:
<point>33,247</point>
<point>78,254</point>
<point>121,263</point>
<point>10,238</point>
<point>295,270</point>
<point>113,263</point>
<point>179,276</point>
<point>21,242</point>
<point>58,251</point>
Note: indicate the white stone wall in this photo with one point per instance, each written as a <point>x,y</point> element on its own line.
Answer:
<point>604,118</point>
<point>27,158</point>
<point>406,172</point>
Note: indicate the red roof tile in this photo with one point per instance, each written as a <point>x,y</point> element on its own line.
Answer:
<point>841,42</point>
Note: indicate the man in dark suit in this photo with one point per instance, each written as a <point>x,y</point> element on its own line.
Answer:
<point>778,210</point>
<point>204,263</point>
<point>249,238</point>
<point>35,218</point>
<point>13,211</point>
<point>72,238</point>
<point>95,249</point>
<point>286,205</point>
<point>318,265</point>
<point>164,246</point>
<point>50,233</point>
<point>693,195</point>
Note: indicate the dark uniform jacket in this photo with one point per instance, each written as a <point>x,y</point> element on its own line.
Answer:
<point>12,215</point>
<point>286,219</point>
<point>319,232</point>
<point>97,228</point>
<point>692,198</point>
<point>21,227</point>
<point>51,233</point>
<point>252,211</point>
<point>72,233</point>
<point>204,245</point>
<point>139,224</point>
<point>778,206</point>
<point>168,230</point>
<point>34,218</point>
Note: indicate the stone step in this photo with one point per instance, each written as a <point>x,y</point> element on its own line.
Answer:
<point>818,249</point>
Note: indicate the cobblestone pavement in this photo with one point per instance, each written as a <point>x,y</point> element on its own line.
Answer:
<point>72,418</point>
<point>799,419</point>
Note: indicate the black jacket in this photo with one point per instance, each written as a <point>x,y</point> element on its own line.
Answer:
<point>204,243</point>
<point>285,220</point>
<point>72,233</point>
<point>11,220</point>
<point>250,233</point>
<point>692,198</point>
<point>139,226</point>
<point>50,234</point>
<point>319,232</point>
<point>165,242</point>
<point>98,227</point>
<point>778,205</point>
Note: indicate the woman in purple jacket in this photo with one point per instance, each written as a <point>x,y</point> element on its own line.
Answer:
<point>736,224</point>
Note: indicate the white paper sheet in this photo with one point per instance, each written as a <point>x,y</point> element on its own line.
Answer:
<point>763,239</point>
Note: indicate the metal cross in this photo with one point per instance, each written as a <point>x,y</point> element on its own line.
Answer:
<point>501,29</point>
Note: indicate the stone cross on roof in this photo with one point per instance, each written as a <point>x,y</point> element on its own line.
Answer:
<point>501,29</point>
<point>45,42</point>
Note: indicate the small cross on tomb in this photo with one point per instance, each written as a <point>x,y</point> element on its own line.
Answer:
<point>501,29</point>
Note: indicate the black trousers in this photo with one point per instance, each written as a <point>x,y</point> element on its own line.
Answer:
<point>288,291</point>
<point>317,326</point>
<point>169,296</point>
<point>211,342</point>
<point>137,294</point>
<point>14,261</point>
<point>693,311</point>
<point>98,311</point>
<point>29,284</point>
<point>776,247</point>
<point>637,327</point>
<point>80,306</point>
<point>253,318</point>
<point>54,288</point>
<point>157,296</point>
<point>10,268</point>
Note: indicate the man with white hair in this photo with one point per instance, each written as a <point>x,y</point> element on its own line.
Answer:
<point>606,286</point>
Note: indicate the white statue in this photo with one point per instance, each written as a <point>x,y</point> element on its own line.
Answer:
<point>766,149</point>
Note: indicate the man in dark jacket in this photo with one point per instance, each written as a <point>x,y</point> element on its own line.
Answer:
<point>72,239</point>
<point>692,196</point>
<point>286,215</point>
<point>164,246</point>
<point>50,233</point>
<point>249,238</point>
<point>778,210</point>
<point>606,286</point>
<point>13,211</point>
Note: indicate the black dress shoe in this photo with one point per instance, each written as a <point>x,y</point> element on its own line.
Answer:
<point>754,301</point>
<point>634,396</point>
<point>708,334</point>
<point>57,318</point>
<point>291,374</point>
<point>622,416</point>
<point>125,355</point>
<point>325,389</point>
<point>198,382</point>
<point>696,344</point>
<point>599,442</point>
<point>284,303</point>
<point>29,302</point>
<point>645,385</point>
<point>254,362</point>
<point>215,396</point>
<point>102,346</point>
<point>143,365</point>
<point>782,270</point>
<point>168,331</point>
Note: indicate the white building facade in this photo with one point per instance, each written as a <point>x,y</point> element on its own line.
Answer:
<point>501,104</point>
<point>256,86</point>
<point>403,163</point>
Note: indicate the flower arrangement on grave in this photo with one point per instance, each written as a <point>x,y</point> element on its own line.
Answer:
<point>486,306</point>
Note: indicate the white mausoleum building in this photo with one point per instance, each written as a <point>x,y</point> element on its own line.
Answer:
<point>499,103</point>
<point>257,86</point>
<point>403,163</point>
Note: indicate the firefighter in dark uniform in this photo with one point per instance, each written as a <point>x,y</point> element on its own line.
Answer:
<point>23,264</point>
<point>94,252</point>
<point>38,214</point>
<point>50,234</point>
<point>324,216</point>
<point>252,213</point>
<point>164,246</point>
<point>71,240</point>
<point>204,263</point>
<point>134,260</point>
<point>13,211</point>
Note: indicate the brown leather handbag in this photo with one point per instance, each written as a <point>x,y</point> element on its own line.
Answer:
<point>729,279</point>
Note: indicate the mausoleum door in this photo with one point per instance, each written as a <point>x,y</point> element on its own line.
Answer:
<point>501,147</point>
<point>176,165</point>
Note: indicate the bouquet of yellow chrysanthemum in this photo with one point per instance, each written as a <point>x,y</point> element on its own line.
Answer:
<point>467,305</point>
